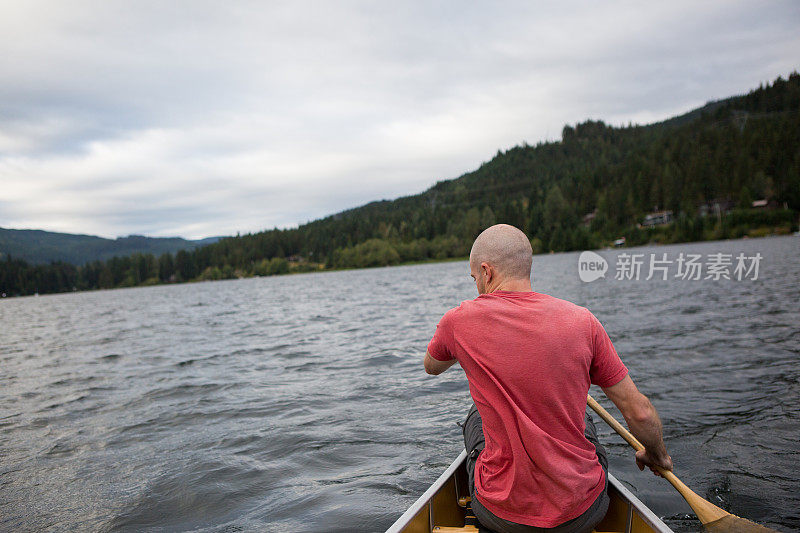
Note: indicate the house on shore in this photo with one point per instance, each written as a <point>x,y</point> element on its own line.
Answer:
<point>768,204</point>
<point>657,218</point>
<point>716,207</point>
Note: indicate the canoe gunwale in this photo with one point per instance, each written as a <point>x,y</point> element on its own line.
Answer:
<point>427,495</point>
<point>645,513</point>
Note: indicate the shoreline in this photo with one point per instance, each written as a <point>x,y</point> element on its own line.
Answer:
<point>409,263</point>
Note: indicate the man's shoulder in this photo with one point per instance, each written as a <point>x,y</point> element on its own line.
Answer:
<point>566,312</point>
<point>460,312</point>
<point>564,305</point>
<point>464,307</point>
<point>479,306</point>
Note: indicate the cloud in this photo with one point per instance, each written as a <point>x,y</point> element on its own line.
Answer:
<point>208,118</point>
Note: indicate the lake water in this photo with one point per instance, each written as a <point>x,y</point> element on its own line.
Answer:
<point>299,403</point>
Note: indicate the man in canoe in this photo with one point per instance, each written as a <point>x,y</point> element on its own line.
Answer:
<point>533,457</point>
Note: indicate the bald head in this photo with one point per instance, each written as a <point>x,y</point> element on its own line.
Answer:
<point>506,248</point>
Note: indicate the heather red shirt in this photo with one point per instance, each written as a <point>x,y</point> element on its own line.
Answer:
<point>529,359</point>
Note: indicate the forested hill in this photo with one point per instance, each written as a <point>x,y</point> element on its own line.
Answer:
<point>37,246</point>
<point>595,185</point>
<point>740,149</point>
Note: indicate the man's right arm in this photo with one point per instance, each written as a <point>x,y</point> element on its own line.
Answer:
<point>644,423</point>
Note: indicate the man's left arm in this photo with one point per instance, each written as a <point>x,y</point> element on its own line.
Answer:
<point>435,367</point>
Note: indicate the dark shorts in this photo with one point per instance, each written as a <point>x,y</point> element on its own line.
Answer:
<point>475,442</point>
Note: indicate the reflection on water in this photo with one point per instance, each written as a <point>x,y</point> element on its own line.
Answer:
<point>299,403</point>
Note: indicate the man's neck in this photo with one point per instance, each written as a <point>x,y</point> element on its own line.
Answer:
<point>513,285</point>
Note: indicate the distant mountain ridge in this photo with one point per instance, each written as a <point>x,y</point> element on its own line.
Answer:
<point>38,246</point>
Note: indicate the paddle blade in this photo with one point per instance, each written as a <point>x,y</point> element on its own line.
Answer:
<point>734,524</point>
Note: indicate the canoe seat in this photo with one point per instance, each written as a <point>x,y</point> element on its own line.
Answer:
<point>465,529</point>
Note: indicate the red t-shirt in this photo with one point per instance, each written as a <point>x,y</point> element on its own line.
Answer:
<point>529,359</point>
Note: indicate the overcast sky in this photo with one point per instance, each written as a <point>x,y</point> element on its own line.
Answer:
<point>210,118</point>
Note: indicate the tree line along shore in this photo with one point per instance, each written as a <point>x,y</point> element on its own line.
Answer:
<point>727,170</point>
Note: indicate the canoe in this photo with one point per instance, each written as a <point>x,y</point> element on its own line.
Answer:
<point>444,506</point>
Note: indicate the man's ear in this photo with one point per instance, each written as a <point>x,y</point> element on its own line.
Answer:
<point>487,271</point>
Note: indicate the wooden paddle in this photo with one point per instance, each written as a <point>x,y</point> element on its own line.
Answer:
<point>712,517</point>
